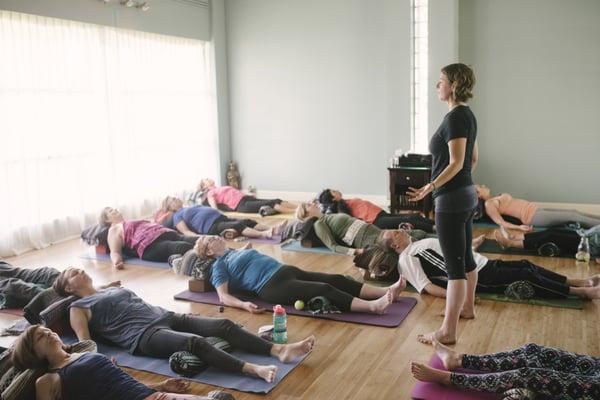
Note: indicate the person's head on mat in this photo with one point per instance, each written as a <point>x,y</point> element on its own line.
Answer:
<point>210,246</point>
<point>328,196</point>
<point>32,347</point>
<point>171,203</point>
<point>483,192</point>
<point>73,281</point>
<point>308,210</point>
<point>110,216</point>
<point>394,240</point>
<point>206,184</point>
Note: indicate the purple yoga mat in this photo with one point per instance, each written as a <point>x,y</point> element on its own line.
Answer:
<point>436,391</point>
<point>394,316</point>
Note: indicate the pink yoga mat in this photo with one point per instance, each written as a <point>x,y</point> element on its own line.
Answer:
<point>394,316</point>
<point>436,391</point>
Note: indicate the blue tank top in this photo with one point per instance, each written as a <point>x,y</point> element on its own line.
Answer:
<point>94,377</point>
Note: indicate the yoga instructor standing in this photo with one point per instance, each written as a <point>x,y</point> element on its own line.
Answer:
<point>454,151</point>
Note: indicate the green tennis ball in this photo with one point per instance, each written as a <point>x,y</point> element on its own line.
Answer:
<point>299,305</point>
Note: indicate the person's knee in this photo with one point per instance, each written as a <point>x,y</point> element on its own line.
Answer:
<point>197,345</point>
<point>225,325</point>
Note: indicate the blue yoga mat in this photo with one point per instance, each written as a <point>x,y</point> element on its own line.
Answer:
<point>211,376</point>
<point>126,260</point>
<point>295,245</point>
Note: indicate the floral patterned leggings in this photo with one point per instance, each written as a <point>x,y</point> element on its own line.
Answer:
<point>544,370</point>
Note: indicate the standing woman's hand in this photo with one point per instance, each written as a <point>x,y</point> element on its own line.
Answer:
<point>419,194</point>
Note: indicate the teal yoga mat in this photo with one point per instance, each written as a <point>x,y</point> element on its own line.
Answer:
<point>295,245</point>
<point>131,260</point>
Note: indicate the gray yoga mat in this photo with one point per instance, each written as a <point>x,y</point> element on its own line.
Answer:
<point>126,260</point>
<point>295,245</point>
<point>210,376</point>
<point>394,316</point>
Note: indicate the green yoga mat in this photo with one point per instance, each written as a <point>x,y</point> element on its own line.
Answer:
<point>491,246</point>
<point>295,245</point>
<point>571,302</point>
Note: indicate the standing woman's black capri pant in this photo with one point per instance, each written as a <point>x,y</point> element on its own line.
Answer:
<point>455,229</point>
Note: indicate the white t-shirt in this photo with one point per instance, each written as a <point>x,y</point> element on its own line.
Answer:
<point>429,250</point>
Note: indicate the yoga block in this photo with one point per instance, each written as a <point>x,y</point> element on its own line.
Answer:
<point>101,249</point>
<point>200,286</point>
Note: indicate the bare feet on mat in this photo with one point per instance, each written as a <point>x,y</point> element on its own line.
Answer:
<point>425,373</point>
<point>268,234</point>
<point>502,241</point>
<point>397,288</point>
<point>290,351</point>
<point>592,293</point>
<point>429,338</point>
<point>266,372</point>
<point>381,305</point>
<point>478,241</point>
<point>450,358</point>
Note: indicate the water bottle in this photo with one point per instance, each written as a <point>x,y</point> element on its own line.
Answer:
<point>279,324</point>
<point>583,250</point>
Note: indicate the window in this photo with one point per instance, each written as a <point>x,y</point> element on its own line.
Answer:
<point>419,76</point>
<point>95,116</point>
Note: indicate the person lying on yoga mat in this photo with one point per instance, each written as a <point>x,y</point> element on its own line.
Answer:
<point>205,220</point>
<point>552,241</point>
<point>119,316</point>
<point>148,240</point>
<point>232,199</point>
<point>342,233</point>
<point>529,213</point>
<point>89,376</point>
<point>547,372</point>
<point>18,286</point>
<point>423,266</point>
<point>332,202</point>
<point>250,271</point>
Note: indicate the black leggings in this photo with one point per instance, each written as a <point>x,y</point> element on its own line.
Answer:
<point>186,332</point>
<point>223,223</point>
<point>497,275</point>
<point>386,220</point>
<point>567,240</point>
<point>167,244</point>
<point>250,204</point>
<point>455,232</point>
<point>290,283</point>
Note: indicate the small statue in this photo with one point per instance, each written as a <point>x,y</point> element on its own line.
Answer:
<point>233,176</point>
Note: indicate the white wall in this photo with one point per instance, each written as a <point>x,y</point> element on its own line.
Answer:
<point>319,91</point>
<point>166,17</point>
<point>537,97</point>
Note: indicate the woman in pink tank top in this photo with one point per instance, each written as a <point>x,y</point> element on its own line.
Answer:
<point>148,240</point>
<point>529,213</point>
<point>228,198</point>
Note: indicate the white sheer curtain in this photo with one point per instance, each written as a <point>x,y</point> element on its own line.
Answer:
<point>93,116</point>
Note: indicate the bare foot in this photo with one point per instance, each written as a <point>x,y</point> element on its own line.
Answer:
<point>397,288</point>
<point>424,373</point>
<point>266,372</point>
<point>381,305</point>
<point>595,280</point>
<point>429,338</point>
<point>592,293</point>
<point>290,351</point>
<point>502,241</point>
<point>268,234</point>
<point>450,358</point>
<point>477,242</point>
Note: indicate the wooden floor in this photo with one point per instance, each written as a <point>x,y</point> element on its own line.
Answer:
<point>356,361</point>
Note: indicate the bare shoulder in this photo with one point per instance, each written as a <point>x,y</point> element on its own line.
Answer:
<point>49,385</point>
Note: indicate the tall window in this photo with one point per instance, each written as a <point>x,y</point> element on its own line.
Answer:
<point>94,116</point>
<point>420,65</point>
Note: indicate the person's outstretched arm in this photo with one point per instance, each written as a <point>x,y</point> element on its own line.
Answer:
<point>48,387</point>
<point>115,245</point>
<point>184,229</point>
<point>79,318</point>
<point>229,300</point>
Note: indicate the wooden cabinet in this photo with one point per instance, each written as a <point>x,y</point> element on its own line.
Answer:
<point>401,178</point>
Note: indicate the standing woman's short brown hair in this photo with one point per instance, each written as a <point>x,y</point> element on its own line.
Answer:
<point>464,78</point>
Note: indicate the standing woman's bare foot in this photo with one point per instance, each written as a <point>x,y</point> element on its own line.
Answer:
<point>450,358</point>
<point>265,372</point>
<point>439,336</point>
<point>425,373</point>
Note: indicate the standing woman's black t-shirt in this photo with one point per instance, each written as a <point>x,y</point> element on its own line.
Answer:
<point>458,123</point>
